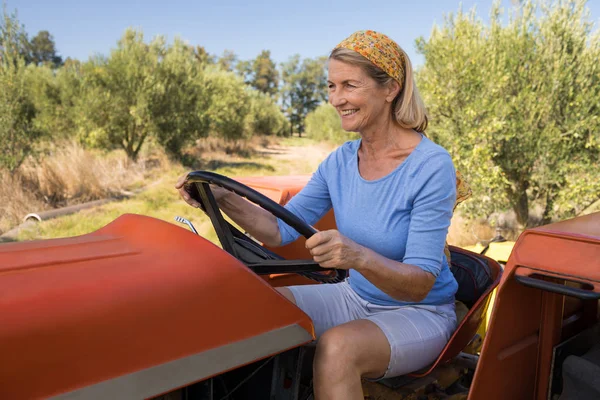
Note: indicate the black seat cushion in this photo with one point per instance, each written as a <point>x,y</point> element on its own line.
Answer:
<point>581,376</point>
<point>473,275</point>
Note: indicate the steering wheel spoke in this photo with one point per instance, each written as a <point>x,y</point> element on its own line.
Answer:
<point>214,213</point>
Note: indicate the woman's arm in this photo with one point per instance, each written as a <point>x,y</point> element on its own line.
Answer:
<point>401,281</point>
<point>404,282</point>
<point>310,204</point>
<point>258,222</point>
<point>255,220</point>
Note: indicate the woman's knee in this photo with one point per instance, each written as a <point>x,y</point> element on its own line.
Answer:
<point>357,347</point>
<point>335,347</point>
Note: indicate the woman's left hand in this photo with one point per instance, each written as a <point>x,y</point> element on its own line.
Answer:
<point>331,249</point>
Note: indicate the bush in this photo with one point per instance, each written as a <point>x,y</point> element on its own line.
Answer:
<point>18,133</point>
<point>57,100</point>
<point>180,109</point>
<point>264,116</point>
<point>228,105</point>
<point>324,124</point>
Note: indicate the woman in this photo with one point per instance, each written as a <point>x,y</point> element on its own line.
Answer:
<point>393,193</point>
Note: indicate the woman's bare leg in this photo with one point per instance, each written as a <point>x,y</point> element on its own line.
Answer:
<point>346,353</point>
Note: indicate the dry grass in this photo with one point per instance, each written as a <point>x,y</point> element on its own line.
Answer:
<point>214,148</point>
<point>465,232</point>
<point>73,175</point>
<point>69,174</point>
<point>161,199</point>
<point>16,200</point>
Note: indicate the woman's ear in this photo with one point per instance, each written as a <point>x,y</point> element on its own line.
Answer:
<point>393,90</point>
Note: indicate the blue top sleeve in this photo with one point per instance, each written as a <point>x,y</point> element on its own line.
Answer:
<point>310,204</point>
<point>431,213</point>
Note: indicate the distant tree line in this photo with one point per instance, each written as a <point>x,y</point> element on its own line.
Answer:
<point>145,93</point>
<point>516,103</point>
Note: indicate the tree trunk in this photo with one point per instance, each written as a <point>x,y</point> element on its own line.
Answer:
<point>129,150</point>
<point>547,216</point>
<point>521,207</point>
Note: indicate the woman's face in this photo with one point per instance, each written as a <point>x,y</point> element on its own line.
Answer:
<point>360,101</point>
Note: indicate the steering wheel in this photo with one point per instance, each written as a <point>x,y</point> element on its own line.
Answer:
<point>255,256</point>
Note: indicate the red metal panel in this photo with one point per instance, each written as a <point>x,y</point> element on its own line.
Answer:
<point>523,326</point>
<point>136,293</point>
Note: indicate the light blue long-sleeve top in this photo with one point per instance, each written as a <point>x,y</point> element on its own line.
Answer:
<point>403,216</point>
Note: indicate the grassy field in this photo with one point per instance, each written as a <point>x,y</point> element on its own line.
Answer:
<point>160,199</point>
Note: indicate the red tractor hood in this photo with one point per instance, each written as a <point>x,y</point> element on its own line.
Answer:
<point>135,309</point>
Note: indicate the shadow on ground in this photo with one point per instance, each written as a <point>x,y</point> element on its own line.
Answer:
<point>216,164</point>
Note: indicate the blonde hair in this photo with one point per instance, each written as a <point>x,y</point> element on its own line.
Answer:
<point>408,109</point>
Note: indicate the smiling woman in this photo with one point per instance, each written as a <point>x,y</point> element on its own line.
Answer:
<point>407,107</point>
<point>392,192</point>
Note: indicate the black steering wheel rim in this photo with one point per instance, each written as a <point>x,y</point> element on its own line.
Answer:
<point>201,181</point>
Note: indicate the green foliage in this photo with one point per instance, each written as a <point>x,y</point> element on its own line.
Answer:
<point>228,103</point>
<point>120,94</point>
<point>265,77</point>
<point>202,56</point>
<point>264,116</point>
<point>56,97</point>
<point>143,91</point>
<point>244,69</point>
<point>13,38</point>
<point>517,106</point>
<point>304,88</point>
<point>227,61</point>
<point>18,133</point>
<point>260,73</point>
<point>43,50</point>
<point>180,106</point>
<point>140,93</point>
<point>324,124</point>
<point>235,111</point>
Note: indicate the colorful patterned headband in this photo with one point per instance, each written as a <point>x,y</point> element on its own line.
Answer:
<point>380,50</point>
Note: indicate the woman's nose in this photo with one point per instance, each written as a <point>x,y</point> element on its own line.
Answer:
<point>336,100</point>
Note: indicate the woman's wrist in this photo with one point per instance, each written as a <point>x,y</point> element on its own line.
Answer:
<point>363,259</point>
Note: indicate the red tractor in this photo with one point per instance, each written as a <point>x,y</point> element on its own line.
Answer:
<point>146,309</point>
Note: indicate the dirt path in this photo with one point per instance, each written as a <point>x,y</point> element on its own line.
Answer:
<point>310,153</point>
<point>300,159</point>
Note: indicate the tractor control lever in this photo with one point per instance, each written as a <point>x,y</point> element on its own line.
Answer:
<point>187,222</point>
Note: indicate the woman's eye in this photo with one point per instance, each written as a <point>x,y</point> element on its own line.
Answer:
<point>350,86</point>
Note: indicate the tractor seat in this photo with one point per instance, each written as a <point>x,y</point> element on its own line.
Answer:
<point>477,276</point>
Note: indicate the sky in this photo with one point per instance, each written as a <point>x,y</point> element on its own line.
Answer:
<point>311,28</point>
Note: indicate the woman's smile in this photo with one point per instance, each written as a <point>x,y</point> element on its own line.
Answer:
<point>349,112</point>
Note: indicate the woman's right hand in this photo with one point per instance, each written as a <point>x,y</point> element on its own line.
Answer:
<point>217,191</point>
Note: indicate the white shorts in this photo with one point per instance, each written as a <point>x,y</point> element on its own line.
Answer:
<point>416,334</point>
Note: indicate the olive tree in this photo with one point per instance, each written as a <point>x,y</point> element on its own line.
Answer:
<point>18,132</point>
<point>304,88</point>
<point>517,104</point>
<point>144,91</point>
